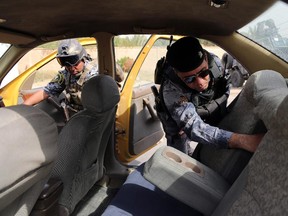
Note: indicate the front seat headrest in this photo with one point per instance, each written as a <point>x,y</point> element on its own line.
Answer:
<point>100,94</point>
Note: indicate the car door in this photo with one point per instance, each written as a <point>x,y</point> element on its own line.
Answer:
<point>36,69</point>
<point>138,128</point>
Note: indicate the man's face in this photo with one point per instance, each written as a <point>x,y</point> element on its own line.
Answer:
<point>197,79</point>
<point>75,69</point>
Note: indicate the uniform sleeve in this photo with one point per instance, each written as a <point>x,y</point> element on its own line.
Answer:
<point>57,85</point>
<point>186,117</point>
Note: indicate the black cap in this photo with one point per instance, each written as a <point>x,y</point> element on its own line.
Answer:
<point>185,54</point>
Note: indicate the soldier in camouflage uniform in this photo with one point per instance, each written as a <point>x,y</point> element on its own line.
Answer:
<point>193,97</point>
<point>78,68</point>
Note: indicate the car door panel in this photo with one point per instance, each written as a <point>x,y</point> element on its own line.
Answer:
<point>145,127</point>
<point>138,128</point>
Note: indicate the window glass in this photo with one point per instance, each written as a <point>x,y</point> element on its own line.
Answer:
<point>159,49</point>
<point>238,73</point>
<point>146,72</point>
<point>47,69</point>
<point>13,72</point>
<point>3,48</point>
<point>28,60</point>
<point>127,48</point>
<point>270,30</point>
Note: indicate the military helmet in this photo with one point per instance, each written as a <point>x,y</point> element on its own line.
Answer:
<point>70,52</point>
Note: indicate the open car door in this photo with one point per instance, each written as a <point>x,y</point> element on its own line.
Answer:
<point>138,128</point>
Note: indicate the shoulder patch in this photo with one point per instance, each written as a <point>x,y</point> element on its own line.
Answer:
<point>182,100</point>
<point>59,78</point>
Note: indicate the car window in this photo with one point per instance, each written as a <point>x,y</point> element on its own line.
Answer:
<point>48,69</point>
<point>3,48</point>
<point>270,30</point>
<point>27,61</point>
<point>127,48</point>
<point>237,72</point>
<point>159,49</point>
<point>146,72</point>
<point>13,72</point>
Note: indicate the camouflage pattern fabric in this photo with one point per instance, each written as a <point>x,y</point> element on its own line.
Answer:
<point>181,122</point>
<point>72,84</point>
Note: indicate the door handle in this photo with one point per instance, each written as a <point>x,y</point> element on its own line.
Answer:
<point>147,104</point>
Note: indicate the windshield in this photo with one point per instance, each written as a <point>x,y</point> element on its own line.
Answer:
<point>3,48</point>
<point>270,30</point>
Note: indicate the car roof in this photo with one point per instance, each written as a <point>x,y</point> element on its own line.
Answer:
<point>24,22</point>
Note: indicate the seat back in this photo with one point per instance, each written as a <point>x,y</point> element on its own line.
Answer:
<point>242,118</point>
<point>28,148</point>
<point>261,189</point>
<point>83,141</point>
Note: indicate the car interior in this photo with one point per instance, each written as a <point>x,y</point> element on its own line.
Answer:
<point>33,141</point>
<point>111,158</point>
<point>170,174</point>
<point>83,141</point>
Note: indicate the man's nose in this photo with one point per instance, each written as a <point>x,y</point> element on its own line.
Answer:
<point>198,79</point>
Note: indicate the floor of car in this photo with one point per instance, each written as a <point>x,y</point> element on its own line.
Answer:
<point>98,198</point>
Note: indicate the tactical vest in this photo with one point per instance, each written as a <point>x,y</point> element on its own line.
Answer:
<point>73,90</point>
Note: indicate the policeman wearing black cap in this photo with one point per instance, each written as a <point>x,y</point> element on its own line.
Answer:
<point>194,95</point>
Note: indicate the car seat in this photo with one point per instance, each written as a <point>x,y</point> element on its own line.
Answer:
<point>241,118</point>
<point>83,141</point>
<point>261,188</point>
<point>28,148</point>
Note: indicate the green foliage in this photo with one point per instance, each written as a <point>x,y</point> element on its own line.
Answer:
<point>125,63</point>
<point>130,41</point>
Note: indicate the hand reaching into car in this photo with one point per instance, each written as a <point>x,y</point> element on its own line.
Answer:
<point>244,141</point>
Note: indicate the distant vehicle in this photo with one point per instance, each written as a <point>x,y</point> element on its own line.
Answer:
<point>238,73</point>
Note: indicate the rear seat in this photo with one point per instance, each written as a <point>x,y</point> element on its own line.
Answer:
<point>241,119</point>
<point>261,189</point>
<point>139,197</point>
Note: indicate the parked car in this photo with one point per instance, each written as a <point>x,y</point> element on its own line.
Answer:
<point>31,27</point>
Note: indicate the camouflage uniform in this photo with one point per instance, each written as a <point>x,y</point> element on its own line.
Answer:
<point>181,118</point>
<point>71,84</point>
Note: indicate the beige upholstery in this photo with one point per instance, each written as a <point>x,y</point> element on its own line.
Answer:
<point>28,147</point>
<point>182,177</point>
<point>262,188</point>
<point>244,118</point>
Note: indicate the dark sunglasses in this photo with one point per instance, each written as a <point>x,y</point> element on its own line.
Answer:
<point>68,61</point>
<point>192,78</point>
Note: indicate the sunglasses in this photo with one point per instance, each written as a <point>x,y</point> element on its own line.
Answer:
<point>69,61</point>
<point>192,78</point>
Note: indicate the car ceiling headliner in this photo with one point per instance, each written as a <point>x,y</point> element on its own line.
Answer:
<point>31,20</point>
